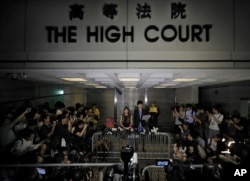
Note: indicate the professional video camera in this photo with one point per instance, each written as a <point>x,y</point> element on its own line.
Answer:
<point>128,171</point>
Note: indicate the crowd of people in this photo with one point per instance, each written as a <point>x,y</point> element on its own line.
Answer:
<point>47,135</point>
<point>63,134</point>
<point>40,132</point>
<point>43,134</point>
<point>208,135</point>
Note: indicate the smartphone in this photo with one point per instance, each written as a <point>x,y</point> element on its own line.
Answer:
<point>41,171</point>
<point>162,162</point>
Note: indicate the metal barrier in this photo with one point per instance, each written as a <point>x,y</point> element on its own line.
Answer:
<point>149,146</point>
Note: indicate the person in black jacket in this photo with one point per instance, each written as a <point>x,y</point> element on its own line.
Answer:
<point>139,123</point>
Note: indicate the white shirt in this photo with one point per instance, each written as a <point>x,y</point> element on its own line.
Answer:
<point>189,116</point>
<point>19,127</point>
<point>213,124</point>
<point>177,121</point>
<point>21,145</point>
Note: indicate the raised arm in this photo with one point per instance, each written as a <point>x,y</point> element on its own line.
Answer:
<point>20,117</point>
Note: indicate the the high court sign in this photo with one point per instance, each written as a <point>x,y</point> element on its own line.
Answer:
<point>127,28</point>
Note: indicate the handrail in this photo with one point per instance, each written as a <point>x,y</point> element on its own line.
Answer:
<point>59,165</point>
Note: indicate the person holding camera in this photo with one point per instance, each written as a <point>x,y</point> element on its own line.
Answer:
<point>7,134</point>
<point>79,134</point>
<point>238,127</point>
<point>48,127</point>
<point>178,114</point>
<point>215,119</point>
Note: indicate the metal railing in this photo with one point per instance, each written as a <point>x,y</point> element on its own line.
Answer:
<point>149,146</point>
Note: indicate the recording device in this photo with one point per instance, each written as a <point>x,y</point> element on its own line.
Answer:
<point>28,109</point>
<point>41,171</point>
<point>127,153</point>
<point>127,171</point>
<point>162,162</point>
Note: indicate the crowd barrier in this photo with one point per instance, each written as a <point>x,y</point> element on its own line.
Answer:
<point>147,146</point>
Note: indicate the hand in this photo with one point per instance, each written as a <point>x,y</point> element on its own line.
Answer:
<point>69,122</point>
<point>28,110</point>
<point>85,126</point>
<point>54,124</point>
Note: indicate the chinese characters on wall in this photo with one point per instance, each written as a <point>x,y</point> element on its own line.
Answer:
<point>126,33</point>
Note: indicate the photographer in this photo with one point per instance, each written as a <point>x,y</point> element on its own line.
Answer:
<point>178,113</point>
<point>24,148</point>
<point>201,121</point>
<point>215,119</point>
<point>63,129</point>
<point>238,128</point>
<point>48,127</point>
<point>192,149</point>
<point>79,134</point>
<point>7,134</point>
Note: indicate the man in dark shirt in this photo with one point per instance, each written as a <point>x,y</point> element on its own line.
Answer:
<point>139,112</point>
<point>240,127</point>
<point>48,128</point>
<point>192,149</point>
<point>63,128</point>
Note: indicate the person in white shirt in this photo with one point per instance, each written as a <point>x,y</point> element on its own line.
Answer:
<point>215,119</point>
<point>189,114</point>
<point>7,135</point>
<point>24,149</point>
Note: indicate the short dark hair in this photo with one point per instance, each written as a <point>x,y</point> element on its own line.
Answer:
<point>217,107</point>
<point>44,116</point>
<point>237,116</point>
<point>60,117</point>
<point>139,102</point>
<point>59,105</point>
<point>188,105</point>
